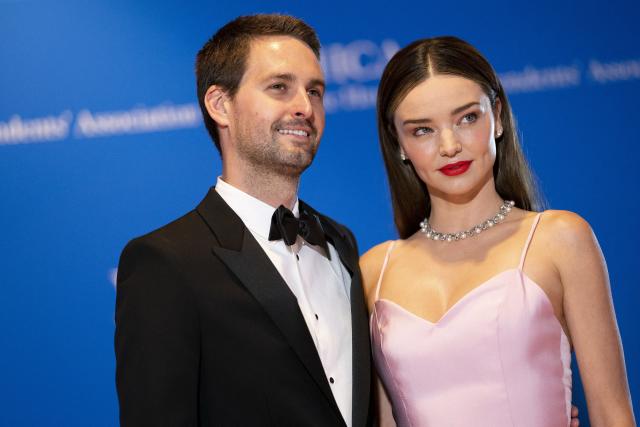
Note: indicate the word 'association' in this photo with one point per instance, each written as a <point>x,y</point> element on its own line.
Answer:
<point>87,124</point>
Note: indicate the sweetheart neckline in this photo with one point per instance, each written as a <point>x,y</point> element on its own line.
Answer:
<point>465,296</point>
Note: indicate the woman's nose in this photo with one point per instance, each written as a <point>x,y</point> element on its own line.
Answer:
<point>449,144</point>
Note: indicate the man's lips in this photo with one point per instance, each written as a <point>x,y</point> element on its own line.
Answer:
<point>296,128</point>
<point>456,168</point>
<point>296,132</point>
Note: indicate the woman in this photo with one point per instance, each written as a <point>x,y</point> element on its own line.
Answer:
<point>475,310</point>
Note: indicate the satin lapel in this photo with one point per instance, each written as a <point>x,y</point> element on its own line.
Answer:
<point>244,256</point>
<point>361,351</point>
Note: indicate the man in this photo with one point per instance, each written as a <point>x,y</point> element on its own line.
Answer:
<point>238,313</point>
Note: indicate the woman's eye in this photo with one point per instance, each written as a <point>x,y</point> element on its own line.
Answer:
<point>422,131</point>
<point>469,118</point>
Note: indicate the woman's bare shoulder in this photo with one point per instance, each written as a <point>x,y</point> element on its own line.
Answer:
<point>376,251</point>
<point>568,228</point>
<point>371,265</point>
<point>568,238</point>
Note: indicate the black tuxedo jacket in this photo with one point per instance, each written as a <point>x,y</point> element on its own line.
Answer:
<point>209,334</point>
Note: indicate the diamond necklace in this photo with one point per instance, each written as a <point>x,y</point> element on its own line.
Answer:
<point>432,234</point>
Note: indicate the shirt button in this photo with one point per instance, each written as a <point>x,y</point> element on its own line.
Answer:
<point>331,380</point>
<point>316,317</point>
<point>298,257</point>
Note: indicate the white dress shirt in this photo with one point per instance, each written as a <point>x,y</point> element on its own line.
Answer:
<point>321,286</point>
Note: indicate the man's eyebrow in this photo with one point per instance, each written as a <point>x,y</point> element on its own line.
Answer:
<point>288,77</point>
<point>453,113</point>
<point>317,82</point>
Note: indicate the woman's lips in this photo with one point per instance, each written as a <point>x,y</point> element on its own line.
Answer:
<point>456,168</point>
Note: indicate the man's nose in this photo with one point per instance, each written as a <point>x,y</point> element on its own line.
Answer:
<point>301,104</point>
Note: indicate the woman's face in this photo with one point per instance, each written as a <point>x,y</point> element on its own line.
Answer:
<point>446,128</point>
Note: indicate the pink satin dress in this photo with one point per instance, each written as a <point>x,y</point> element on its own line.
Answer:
<point>498,357</point>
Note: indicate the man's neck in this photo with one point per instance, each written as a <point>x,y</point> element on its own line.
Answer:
<point>275,190</point>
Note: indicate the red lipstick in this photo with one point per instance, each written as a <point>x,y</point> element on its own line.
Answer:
<point>456,168</point>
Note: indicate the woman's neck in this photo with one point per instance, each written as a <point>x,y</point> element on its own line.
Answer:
<point>451,214</point>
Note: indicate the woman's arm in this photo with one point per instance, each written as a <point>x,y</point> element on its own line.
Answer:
<point>371,266</point>
<point>384,411</point>
<point>590,316</point>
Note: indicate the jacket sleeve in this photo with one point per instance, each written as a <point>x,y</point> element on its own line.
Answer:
<point>156,339</point>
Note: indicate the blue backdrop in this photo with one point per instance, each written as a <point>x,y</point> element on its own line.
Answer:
<point>101,140</point>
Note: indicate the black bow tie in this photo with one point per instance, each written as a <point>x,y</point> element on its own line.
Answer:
<point>285,226</point>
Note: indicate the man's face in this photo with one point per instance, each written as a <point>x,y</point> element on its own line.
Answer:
<point>277,116</point>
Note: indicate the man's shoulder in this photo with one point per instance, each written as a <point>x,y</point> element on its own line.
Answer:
<point>183,245</point>
<point>188,229</point>
<point>171,241</point>
<point>177,230</point>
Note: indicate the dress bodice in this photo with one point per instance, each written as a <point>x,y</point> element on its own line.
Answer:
<point>498,357</point>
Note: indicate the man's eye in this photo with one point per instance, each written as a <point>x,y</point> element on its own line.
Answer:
<point>315,92</point>
<point>422,131</point>
<point>278,86</point>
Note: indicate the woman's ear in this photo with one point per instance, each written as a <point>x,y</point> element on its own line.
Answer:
<point>215,100</point>
<point>497,109</point>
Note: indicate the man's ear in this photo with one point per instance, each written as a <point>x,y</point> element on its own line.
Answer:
<point>216,101</point>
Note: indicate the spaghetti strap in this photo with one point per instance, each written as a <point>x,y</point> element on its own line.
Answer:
<point>528,242</point>
<point>384,266</point>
